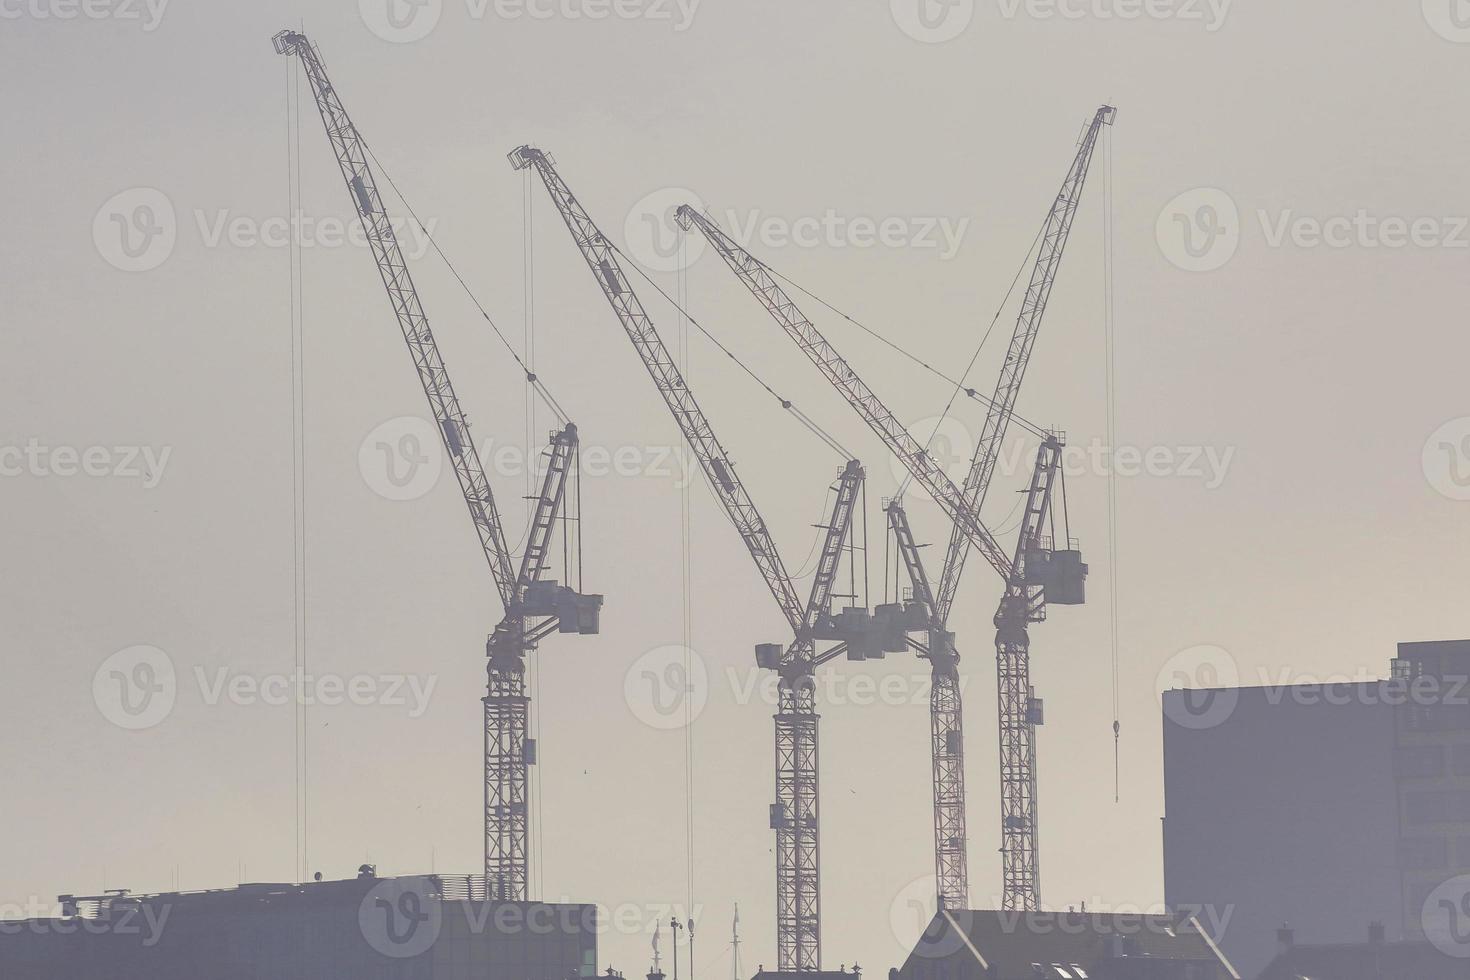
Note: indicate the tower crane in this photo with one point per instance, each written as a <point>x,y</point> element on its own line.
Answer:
<point>1065,569</point>
<point>794,816</point>
<point>534,607</point>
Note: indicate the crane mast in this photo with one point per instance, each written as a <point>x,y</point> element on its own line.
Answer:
<point>533,607</point>
<point>1019,711</point>
<point>794,816</point>
<point>1018,781</point>
<point>1020,852</point>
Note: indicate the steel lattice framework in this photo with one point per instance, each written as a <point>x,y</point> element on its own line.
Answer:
<point>762,283</point>
<point>1022,604</point>
<point>795,816</point>
<point>1002,404</point>
<point>528,616</point>
<point>963,508</point>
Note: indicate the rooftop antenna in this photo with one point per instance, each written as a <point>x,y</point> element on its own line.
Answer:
<point>657,972</point>
<point>735,944</point>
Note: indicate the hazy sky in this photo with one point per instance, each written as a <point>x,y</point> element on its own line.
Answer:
<point>1287,382</point>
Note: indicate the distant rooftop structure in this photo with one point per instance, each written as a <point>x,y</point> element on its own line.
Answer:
<point>1373,960</point>
<point>420,927</point>
<point>992,945</point>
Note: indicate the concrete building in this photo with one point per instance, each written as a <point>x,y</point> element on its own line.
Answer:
<point>991,945</point>
<point>1328,807</point>
<point>1376,959</point>
<point>428,927</point>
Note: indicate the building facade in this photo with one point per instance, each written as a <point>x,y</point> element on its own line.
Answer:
<point>1330,808</point>
<point>965,944</point>
<point>427,927</point>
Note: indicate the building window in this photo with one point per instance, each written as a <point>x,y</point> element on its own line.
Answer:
<point>1420,761</point>
<point>1447,806</point>
<point>1423,853</point>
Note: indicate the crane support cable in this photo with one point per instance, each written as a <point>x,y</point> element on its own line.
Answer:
<point>826,437</point>
<point>964,377</point>
<point>531,377</point>
<point>1111,368</point>
<point>959,385</point>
